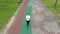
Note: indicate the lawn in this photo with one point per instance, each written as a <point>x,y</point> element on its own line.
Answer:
<point>50,4</point>
<point>7,9</point>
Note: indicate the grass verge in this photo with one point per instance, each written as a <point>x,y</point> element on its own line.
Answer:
<point>7,9</point>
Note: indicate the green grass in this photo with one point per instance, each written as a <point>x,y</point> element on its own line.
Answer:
<point>7,9</point>
<point>50,5</point>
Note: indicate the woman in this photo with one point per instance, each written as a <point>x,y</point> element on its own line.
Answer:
<point>28,19</point>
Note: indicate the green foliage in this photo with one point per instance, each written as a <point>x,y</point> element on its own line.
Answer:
<point>7,9</point>
<point>56,3</point>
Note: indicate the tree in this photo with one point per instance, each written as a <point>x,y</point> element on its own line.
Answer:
<point>56,3</point>
<point>20,1</point>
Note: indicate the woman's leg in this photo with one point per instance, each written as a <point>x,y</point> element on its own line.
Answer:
<point>28,23</point>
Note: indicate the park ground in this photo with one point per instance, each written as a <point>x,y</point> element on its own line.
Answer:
<point>8,7</point>
<point>45,17</point>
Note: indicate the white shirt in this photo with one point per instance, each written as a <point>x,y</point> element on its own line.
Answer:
<point>27,17</point>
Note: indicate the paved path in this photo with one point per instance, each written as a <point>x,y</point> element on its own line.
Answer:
<point>15,28</point>
<point>44,21</point>
<point>24,29</point>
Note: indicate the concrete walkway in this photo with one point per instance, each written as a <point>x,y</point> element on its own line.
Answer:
<point>44,21</point>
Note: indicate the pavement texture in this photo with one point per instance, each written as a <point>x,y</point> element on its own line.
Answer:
<point>15,27</point>
<point>43,20</point>
<point>24,29</point>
